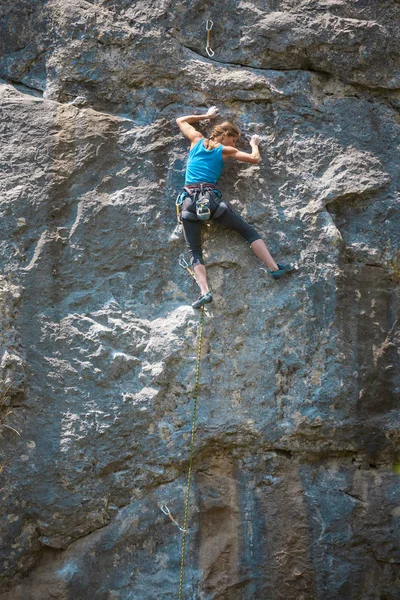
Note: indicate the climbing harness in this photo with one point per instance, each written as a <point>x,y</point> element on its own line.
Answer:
<point>194,420</point>
<point>209,26</point>
<point>202,202</point>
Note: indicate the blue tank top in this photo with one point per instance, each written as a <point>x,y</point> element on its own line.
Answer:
<point>204,166</point>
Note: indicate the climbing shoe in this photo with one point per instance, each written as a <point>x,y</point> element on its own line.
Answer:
<point>283,269</point>
<point>206,299</point>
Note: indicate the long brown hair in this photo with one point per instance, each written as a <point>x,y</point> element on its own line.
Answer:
<point>220,131</point>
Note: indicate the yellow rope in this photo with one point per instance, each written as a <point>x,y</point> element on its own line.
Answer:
<point>196,395</point>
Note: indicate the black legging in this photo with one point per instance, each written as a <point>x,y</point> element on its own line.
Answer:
<point>230,219</point>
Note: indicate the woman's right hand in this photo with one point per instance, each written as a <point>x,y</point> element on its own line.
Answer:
<point>212,112</point>
<point>255,140</point>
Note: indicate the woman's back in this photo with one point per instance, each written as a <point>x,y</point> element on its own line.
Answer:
<point>204,166</point>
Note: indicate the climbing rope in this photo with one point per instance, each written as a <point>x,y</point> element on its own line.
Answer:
<point>196,395</point>
<point>164,507</point>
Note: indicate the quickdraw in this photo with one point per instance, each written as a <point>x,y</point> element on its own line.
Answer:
<point>185,265</point>
<point>209,26</point>
<point>167,512</point>
<point>177,232</point>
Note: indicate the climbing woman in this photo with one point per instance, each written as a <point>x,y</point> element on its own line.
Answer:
<point>201,200</point>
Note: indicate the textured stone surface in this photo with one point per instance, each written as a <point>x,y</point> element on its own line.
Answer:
<point>296,490</point>
<point>12,364</point>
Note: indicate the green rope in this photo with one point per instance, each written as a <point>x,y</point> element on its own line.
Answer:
<point>196,395</point>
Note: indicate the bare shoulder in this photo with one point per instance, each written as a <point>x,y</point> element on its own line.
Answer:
<point>188,130</point>
<point>195,139</point>
<point>232,152</point>
<point>228,151</point>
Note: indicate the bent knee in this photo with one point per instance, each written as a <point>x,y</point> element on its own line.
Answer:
<point>196,261</point>
<point>253,237</point>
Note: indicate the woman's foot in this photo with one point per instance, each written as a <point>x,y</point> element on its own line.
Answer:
<point>202,300</point>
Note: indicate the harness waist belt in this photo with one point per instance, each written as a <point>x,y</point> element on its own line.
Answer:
<point>194,186</point>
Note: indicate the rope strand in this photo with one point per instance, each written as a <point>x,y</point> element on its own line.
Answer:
<point>196,394</point>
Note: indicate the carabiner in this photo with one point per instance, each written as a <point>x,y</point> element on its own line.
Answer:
<point>182,262</point>
<point>209,25</point>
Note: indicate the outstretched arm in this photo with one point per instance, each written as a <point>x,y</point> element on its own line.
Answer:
<point>184,123</point>
<point>253,158</point>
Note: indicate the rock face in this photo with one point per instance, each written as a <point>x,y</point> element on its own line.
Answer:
<point>296,483</point>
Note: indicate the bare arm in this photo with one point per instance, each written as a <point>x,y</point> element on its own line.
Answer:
<point>252,157</point>
<point>184,124</point>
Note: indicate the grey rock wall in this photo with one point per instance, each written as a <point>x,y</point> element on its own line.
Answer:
<point>296,489</point>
